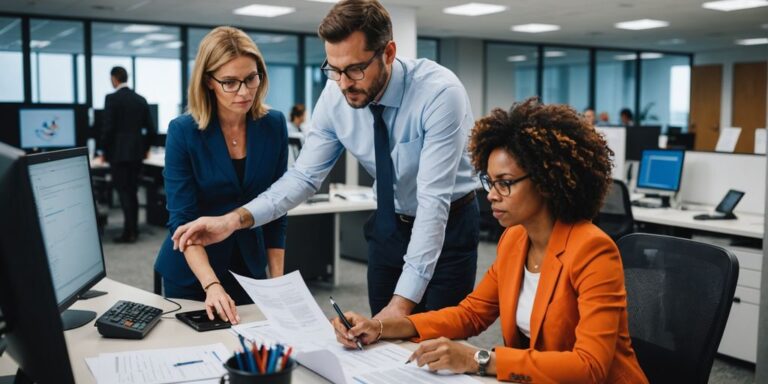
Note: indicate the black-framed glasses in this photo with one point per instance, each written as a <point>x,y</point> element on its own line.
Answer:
<point>354,72</point>
<point>502,186</point>
<point>233,85</point>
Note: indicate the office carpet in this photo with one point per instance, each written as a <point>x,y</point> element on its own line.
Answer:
<point>132,264</point>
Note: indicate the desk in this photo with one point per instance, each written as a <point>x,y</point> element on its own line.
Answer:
<point>169,333</point>
<point>747,224</point>
<point>740,336</point>
<point>314,234</point>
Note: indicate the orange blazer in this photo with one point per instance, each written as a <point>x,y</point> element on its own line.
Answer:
<point>579,331</point>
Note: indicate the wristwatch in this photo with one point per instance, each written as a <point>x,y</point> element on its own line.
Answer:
<point>482,357</point>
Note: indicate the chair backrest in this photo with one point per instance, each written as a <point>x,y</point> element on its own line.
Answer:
<point>615,217</point>
<point>679,295</point>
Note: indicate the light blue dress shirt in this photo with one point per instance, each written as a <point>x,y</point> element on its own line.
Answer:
<point>429,119</point>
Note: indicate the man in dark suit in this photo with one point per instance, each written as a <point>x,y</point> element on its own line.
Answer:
<point>126,136</point>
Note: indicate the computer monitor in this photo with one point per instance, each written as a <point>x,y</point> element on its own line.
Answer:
<point>661,171</point>
<point>63,199</point>
<point>640,138</point>
<point>681,141</point>
<point>33,335</point>
<point>47,128</point>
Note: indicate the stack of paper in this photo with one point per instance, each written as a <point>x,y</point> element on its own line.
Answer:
<point>158,366</point>
<point>294,318</point>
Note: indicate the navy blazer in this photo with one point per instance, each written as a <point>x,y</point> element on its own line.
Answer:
<point>200,180</point>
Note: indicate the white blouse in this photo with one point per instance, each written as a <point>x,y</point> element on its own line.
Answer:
<point>525,302</point>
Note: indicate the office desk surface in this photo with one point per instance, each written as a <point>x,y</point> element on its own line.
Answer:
<point>747,224</point>
<point>86,342</point>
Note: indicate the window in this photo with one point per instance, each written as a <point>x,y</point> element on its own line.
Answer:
<point>11,61</point>
<point>615,84</point>
<point>150,54</point>
<point>566,77</point>
<point>281,53</point>
<point>428,49</point>
<point>510,74</point>
<point>314,79</point>
<point>57,62</point>
<point>665,89</point>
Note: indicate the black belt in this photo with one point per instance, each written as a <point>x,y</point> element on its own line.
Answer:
<point>455,205</point>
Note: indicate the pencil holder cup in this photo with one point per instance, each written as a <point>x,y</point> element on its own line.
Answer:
<point>235,375</point>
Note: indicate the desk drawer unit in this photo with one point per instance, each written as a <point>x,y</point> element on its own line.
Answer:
<point>740,336</point>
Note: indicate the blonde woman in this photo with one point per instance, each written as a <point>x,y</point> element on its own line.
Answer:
<point>224,152</point>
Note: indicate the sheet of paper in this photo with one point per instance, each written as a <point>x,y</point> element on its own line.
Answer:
<point>412,375</point>
<point>287,303</point>
<point>729,136</point>
<point>760,141</point>
<point>294,318</point>
<point>158,366</point>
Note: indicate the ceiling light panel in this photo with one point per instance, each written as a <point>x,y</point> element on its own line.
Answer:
<point>734,5</point>
<point>141,28</point>
<point>535,28</point>
<point>261,10</point>
<point>474,9</point>
<point>636,25</point>
<point>753,41</point>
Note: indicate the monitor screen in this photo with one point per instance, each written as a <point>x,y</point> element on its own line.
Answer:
<point>63,197</point>
<point>641,138</point>
<point>661,170</point>
<point>47,128</point>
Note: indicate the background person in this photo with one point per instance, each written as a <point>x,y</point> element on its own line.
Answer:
<point>127,134</point>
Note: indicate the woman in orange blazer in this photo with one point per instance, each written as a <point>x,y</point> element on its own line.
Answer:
<point>557,282</point>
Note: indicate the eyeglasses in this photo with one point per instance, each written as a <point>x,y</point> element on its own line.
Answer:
<point>233,85</point>
<point>502,186</point>
<point>353,72</point>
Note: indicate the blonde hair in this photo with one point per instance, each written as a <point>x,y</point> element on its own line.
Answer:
<point>218,47</point>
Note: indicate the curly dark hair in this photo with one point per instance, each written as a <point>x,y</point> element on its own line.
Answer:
<point>567,160</point>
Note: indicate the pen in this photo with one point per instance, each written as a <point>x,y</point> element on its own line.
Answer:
<point>248,356</point>
<point>179,364</point>
<point>346,323</point>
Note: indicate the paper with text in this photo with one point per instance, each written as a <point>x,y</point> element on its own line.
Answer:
<point>294,318</point>
<point>159,366</point>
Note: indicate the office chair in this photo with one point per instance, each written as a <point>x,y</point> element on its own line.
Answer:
<point>615,217</point>
<point>679,295</point>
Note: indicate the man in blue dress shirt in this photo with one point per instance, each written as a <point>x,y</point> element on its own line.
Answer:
<point>407,122</point>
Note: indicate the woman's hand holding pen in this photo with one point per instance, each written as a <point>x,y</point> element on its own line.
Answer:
<point>217,301</point>
<point>366,330</point>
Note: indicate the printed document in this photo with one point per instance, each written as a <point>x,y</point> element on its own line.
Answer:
<point>159,366</point>
<point>294,318</point>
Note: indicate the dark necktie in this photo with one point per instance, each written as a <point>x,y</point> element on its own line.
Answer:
<point>385,195</point>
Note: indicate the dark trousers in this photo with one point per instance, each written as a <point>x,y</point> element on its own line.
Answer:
<point>125,179</point>
<point>454,276</point>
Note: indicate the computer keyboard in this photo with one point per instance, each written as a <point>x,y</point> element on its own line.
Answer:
<point>128,320</point>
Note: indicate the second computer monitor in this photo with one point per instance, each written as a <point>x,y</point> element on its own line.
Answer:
<point>66,211</point>
<point>661,171</point>
<point>47,128</point>
<point>640,138</point>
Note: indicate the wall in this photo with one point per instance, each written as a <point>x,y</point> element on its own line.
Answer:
<point>727,58</point>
